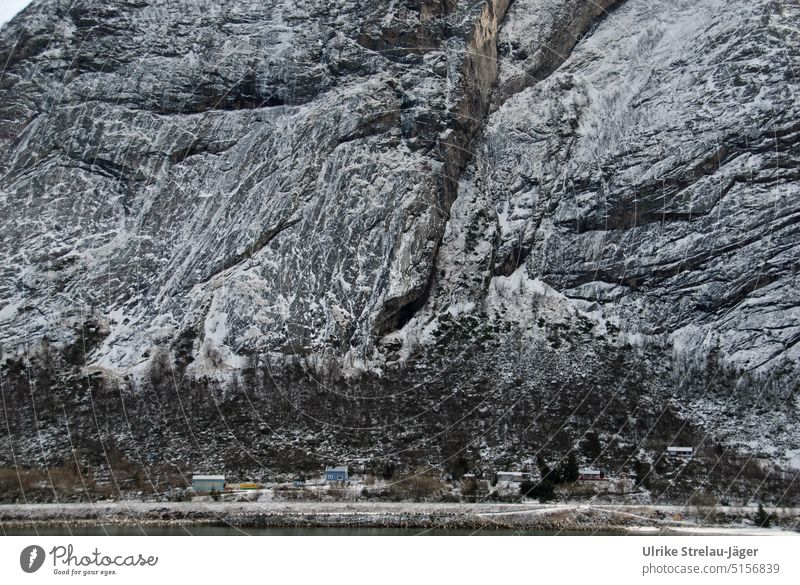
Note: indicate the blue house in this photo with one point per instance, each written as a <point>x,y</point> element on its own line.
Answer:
<point>208,483</point>
<point>338,473</point>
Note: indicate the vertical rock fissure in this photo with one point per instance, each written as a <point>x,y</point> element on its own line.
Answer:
<point>479,75</point>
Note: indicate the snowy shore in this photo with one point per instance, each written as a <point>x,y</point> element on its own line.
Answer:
<point>524,517</point>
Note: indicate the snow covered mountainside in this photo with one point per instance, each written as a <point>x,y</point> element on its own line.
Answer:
<point>413,230</point>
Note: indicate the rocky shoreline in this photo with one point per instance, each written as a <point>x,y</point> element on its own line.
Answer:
<point>523,517</point>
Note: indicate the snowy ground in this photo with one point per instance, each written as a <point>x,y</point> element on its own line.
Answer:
<point>524,516</point>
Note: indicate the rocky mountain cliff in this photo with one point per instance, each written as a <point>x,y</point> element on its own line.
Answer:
<point>413,230</point>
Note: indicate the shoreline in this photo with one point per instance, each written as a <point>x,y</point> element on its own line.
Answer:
<point>566,517</point>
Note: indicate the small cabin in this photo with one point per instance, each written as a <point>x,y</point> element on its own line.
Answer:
<point>336,473</point>
<point>208,483</point>
<point>591,474</point>
<point>513,476</point>
<point>686,452</point>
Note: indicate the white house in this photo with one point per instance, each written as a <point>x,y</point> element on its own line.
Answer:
<point>686,452</point>
<point>513,476</point>
<point>590,474</point>
<point>208,483</point>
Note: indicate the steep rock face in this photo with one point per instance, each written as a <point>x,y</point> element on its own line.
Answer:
<point>565,214</point>
<point>650,183</point>
<point>270,178</point>
<point>655,176</point>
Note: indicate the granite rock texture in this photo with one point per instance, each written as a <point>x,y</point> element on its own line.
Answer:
<point>335,184</point>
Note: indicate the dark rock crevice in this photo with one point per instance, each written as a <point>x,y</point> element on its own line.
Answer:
<point>530,65</point>
<point>261,242</point>
<point>464,122</point>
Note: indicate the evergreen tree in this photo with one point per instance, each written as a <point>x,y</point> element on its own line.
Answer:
<point>544,469</point>
<point>569,469</point>
<point>541,490</point>
<point>762,518</point>
<point>591,446</point>
<point>642,470</point>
